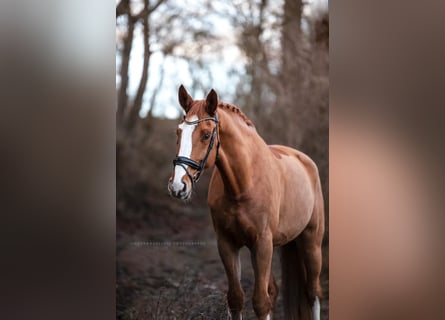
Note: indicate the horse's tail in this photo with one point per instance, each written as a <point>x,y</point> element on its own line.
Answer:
<point>293,282</point>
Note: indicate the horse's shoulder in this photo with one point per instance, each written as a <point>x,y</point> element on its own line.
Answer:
<point>216,188</point>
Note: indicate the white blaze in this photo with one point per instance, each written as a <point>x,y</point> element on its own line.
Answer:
<point>185,150</point>
<point>316,309</point>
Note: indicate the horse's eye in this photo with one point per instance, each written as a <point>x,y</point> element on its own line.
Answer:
<point>206,136</point>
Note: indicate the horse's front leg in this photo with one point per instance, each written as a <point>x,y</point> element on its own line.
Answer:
<point>261,254</point>
<point>229,254</point>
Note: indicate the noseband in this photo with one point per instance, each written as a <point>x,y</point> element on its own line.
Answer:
<point>198,166</point>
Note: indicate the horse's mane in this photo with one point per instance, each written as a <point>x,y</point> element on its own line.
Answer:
<point>198,109</point>
<point>235,110</point>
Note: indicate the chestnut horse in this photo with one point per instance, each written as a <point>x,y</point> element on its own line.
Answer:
<point>260,196</point>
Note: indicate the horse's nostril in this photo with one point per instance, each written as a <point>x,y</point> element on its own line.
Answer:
<point>185,187</point>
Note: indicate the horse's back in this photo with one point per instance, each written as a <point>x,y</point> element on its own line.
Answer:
<point>280,151</point>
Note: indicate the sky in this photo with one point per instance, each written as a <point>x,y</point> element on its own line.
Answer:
<point>176,70</point>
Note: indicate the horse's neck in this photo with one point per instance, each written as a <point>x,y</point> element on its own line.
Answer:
<point>240,151</point>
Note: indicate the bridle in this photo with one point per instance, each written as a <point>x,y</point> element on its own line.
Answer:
<point>199,166</point>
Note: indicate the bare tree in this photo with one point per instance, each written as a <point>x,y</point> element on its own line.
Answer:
<point>123,9</point>
<point>126,115</point>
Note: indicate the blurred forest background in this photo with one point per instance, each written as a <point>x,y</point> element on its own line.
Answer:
<point>271,59</point>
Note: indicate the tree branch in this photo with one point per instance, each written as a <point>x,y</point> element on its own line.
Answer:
<point>122,99</point>
<point>123,7</point>
<point>155,6</point>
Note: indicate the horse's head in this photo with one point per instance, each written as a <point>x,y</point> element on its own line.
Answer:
<point>197,144</point>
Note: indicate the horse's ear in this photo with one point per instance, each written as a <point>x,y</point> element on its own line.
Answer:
<point>211,102</point>
<point>184,99</point>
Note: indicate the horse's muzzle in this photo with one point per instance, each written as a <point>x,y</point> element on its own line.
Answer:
<point>182,192</point>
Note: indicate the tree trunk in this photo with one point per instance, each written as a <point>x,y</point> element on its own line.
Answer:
<point>290,34</point>
<point>137,104</point>
<point>289,100</point>
<point>122,100</point>
<point>254,49</point>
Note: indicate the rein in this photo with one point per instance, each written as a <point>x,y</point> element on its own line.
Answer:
<point>198,166</point>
